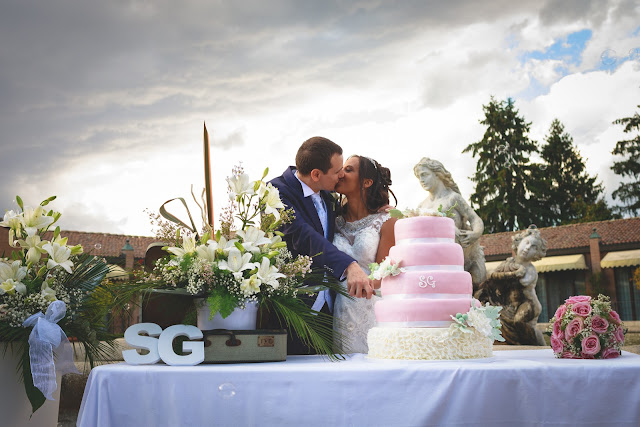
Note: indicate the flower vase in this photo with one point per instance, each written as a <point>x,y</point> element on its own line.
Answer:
<point>14,404</point>
<point>241,319</point>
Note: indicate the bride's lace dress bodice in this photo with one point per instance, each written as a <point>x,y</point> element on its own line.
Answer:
<point>354,318</point>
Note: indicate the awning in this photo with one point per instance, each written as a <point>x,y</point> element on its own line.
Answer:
<point>621,259</point>
<point>550,263</point>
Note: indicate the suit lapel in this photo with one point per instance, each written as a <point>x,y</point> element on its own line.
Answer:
<point>309,210</point>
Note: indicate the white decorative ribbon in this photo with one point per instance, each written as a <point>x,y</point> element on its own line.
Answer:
<point>427,296</point>
<point>433,267</point>
<point>45,338</point>
<point>425,240</point>
<point>416,324</point>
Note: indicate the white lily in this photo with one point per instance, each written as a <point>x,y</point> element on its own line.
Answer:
<point>253,238</point>
<point>225,245</point>
<point>33,219</point>
<point>10,286</point>
<point>188,246</point>
<point>59,255</point>
<point>269,273</point>
<point>11,220</point>
<point>237,262</point>
<point>47,292</point>
<point>272,201</point>
<point>239,185</point>
<point>12,271</point>
<point>208,251</point>
<point>33,245</point>
<point>250,286</point>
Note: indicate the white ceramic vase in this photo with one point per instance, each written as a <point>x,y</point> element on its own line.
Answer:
<point>14,404</point>
<point>239,319</point>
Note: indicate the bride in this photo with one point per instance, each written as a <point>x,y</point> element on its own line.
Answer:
<point>365,234</point>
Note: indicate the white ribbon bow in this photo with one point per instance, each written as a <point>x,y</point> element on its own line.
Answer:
<point>45,338</point>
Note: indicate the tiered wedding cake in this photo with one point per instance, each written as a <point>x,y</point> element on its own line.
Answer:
<point>414,317</point>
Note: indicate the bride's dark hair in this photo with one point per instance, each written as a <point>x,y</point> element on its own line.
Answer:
<point>377,195</point>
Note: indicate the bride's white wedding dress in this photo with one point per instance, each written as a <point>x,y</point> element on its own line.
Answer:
<point>354,318</point>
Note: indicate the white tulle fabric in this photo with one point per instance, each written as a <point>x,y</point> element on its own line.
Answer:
<point>354,318</point>
<point>46,338</point>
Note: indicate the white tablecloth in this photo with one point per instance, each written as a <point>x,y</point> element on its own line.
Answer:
<point>514,388</point>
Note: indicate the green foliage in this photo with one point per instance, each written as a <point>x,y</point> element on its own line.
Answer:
<point>503,172</point>
<point>561,189</point>
<point>221,301</point>
<point>629,167</point>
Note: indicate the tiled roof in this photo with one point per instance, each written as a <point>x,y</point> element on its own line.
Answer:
<point>102,244</point>
<point>616,232</point>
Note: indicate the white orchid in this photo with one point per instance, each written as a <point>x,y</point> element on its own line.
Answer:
<point>237,262</point>
<point>253,238</point>
<point>12,271</point>
<point>59,255</point>
<point>10,286</point>
<point>188,246</point>
<point>251,286</point>
<point>271,196</point>
<point>269,273</point>
<point>239,185</point>
<point>34,219</point>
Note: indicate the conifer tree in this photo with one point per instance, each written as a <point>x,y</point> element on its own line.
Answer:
<point>503,172</point>
<point>628,192</point>
<point>564,192</point>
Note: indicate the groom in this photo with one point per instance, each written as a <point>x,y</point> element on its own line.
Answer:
<point>305,188</point>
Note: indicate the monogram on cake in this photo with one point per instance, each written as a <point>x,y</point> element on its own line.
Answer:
<point>427,311</point>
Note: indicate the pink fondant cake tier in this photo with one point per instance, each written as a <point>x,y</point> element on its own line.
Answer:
<point>419,312</point>
<point>436,283</point>
<point>424,227</point>
<point>440,256</point>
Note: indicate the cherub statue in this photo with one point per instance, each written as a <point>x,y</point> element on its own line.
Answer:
<point>444,192</point>
<point>513,286</point>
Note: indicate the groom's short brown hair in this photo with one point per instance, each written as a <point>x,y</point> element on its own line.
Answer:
<point>316,153</point>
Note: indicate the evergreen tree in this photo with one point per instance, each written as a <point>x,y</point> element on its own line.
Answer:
<point>564,192</point>
<point>503,172</point>
<point>628,192</point>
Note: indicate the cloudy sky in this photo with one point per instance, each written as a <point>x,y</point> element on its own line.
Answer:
<point>102,103</point>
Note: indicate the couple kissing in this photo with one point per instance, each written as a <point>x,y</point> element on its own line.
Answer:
<point>348,234</point>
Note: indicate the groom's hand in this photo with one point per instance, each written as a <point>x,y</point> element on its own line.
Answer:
<point>358,283</point>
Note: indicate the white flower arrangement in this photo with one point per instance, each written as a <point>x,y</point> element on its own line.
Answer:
<point>385,269</point>
<point>410,213</point>
<point>484,320</point>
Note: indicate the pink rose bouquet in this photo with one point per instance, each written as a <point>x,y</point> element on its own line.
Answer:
<point>586,328</point>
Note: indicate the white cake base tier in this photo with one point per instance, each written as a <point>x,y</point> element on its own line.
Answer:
<point>427,344</point>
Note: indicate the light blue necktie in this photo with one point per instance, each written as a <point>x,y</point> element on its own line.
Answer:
<point>322,212</point>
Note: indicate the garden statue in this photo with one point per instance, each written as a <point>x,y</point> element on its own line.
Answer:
<point>444,192</point>
<point>513,286</point>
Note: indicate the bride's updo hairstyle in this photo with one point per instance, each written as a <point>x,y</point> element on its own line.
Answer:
<point>377,195</point>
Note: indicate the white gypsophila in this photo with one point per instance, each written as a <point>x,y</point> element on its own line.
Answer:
<point>480,322</point>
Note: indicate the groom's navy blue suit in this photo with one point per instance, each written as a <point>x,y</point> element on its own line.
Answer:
<point>305,236</point>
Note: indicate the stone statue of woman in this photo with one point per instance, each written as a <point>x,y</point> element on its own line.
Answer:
<point>469,226</point>
<point>513,286</point>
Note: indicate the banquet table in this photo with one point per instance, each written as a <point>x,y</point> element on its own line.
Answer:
<point>512,388</point>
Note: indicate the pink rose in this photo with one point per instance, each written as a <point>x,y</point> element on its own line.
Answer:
<point>568,355</point>
<point>615,318</point>
<point>590,345</point>
<point>557,330</point>
<point>581,309</point>
<point>574,328</point>
<point>598,324</point>
<point>610,353</point>
<point>618,334</point>
<point>577,299</point>
<point>560,312</point>
<point>556,344</point>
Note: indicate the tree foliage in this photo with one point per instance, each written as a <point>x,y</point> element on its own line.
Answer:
<point>563,191</point>
<point>503,172</point>
<point>629,167</point>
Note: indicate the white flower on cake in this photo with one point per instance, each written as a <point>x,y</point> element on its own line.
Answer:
<point>409,213</point>
<point>484,320</point>
<point>385,269</point>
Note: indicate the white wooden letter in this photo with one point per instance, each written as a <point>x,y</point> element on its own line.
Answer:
<point>134,339</point>
<point>165,345</point>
